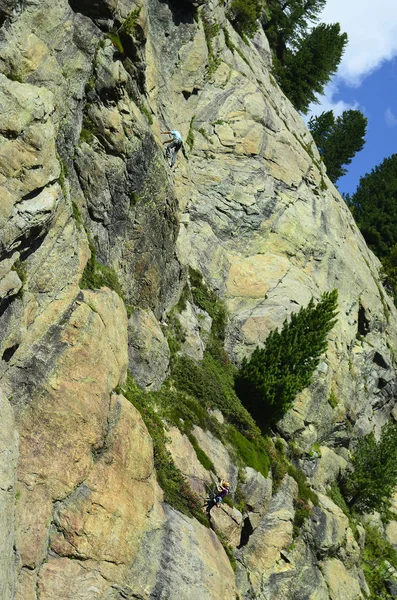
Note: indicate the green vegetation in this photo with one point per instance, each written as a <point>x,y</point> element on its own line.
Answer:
<point>278,463</point>
<point>87,131</point>
<point>338,139</point>
<point>211,383</point>
<point>232,47</point>
<point>201,455</point>
<point>374,207</point>
<point>205,135</point>
<point>129,25</point>
<point>145,111</point>
<point>305,57</point>
<point>77,215</point>
<point>305,493</point>
<point>306,70</point>
<point>207,300</point>
<point>379,563</point>
<point>244,15</point>
<point>86,136</point>
<point>228,549</point>
<point>190,135</point>
<point>374,477</point>
<point>116,41</point>
<point>333,400</point>
<point>96,275</point>
<point>334,492</point>
<point>269,381</point>
<point>194,389</point>
<point>302,512</point>
<point>285,22</point>
<point>305,497</point>
<point>211,30</point>
<point>177,491</point>
<point>253,453</point>
<point>20,270</point>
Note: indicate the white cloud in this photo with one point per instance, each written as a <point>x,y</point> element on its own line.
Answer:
<point>390,118</point>
<point>326,102</point>
<point>372,30</point>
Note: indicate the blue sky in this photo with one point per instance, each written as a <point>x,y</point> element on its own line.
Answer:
<point>366,79</point>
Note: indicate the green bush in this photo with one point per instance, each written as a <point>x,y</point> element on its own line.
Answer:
<point>211,30</point>
<point>180,409</point>
<point>129,25</point>
<point>201,455</point>
<point>116,41</point>
<point>374,477</point>
<point>228,549</point>
<point>333,400</point>
<point>305,493</point>
<point>302,512</point>
<point>211,383</point>
<point>207,300</point>
<point>20,270</point>
<point>379,560</point>
<point>301,505</point>
<point>278,463</point>
<point>190,135</point>
<point>251,452</point>
<point>96,275</point>
<point>177,491</point>
<point>336,496</point>
<point>244,15</point>
<point>269,381</point>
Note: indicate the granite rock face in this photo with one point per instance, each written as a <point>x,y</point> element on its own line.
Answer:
<point>8,471</point>
<point>86,91</point>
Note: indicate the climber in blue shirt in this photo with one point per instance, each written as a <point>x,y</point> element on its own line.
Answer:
<point>174,145</point>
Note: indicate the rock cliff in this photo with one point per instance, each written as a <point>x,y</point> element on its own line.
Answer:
<point>86,88</point>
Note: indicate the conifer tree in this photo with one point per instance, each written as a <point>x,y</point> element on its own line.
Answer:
<point>269,381</point>
<point>374,476</point>
<point>374,206</point>
<point>309,68</point>
<point>287,21</point>
<point>244,15</point>
<point>338,139</point>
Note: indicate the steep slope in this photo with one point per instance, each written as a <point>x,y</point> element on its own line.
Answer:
<point>86,88</point>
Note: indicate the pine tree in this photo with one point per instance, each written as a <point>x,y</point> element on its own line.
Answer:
<point>288,20</point>
<point>374,206</point>
<point>244,15</point>
<point>374,476</point>
<point>269,381</point>
<point>338,139</point>
<point>309,68</point>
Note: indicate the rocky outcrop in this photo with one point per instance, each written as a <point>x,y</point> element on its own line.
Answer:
<point>185,459</point>
<point>183,560</point>
<point>86,88</point>
<point>8,468</point>
<point>148,351</point>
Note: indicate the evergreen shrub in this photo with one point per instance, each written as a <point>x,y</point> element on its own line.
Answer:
<point>212,384</point>
<point>379,562</point>
<point>374,478</point>
<point>269,381</point>
<point>244,15</point>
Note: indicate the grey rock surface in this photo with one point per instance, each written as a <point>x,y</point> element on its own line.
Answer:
<point>148,351</point>
<point>8,471</point>
<point>86,90</point>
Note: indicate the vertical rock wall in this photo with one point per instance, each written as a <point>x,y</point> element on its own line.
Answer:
<point>86,88</point>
